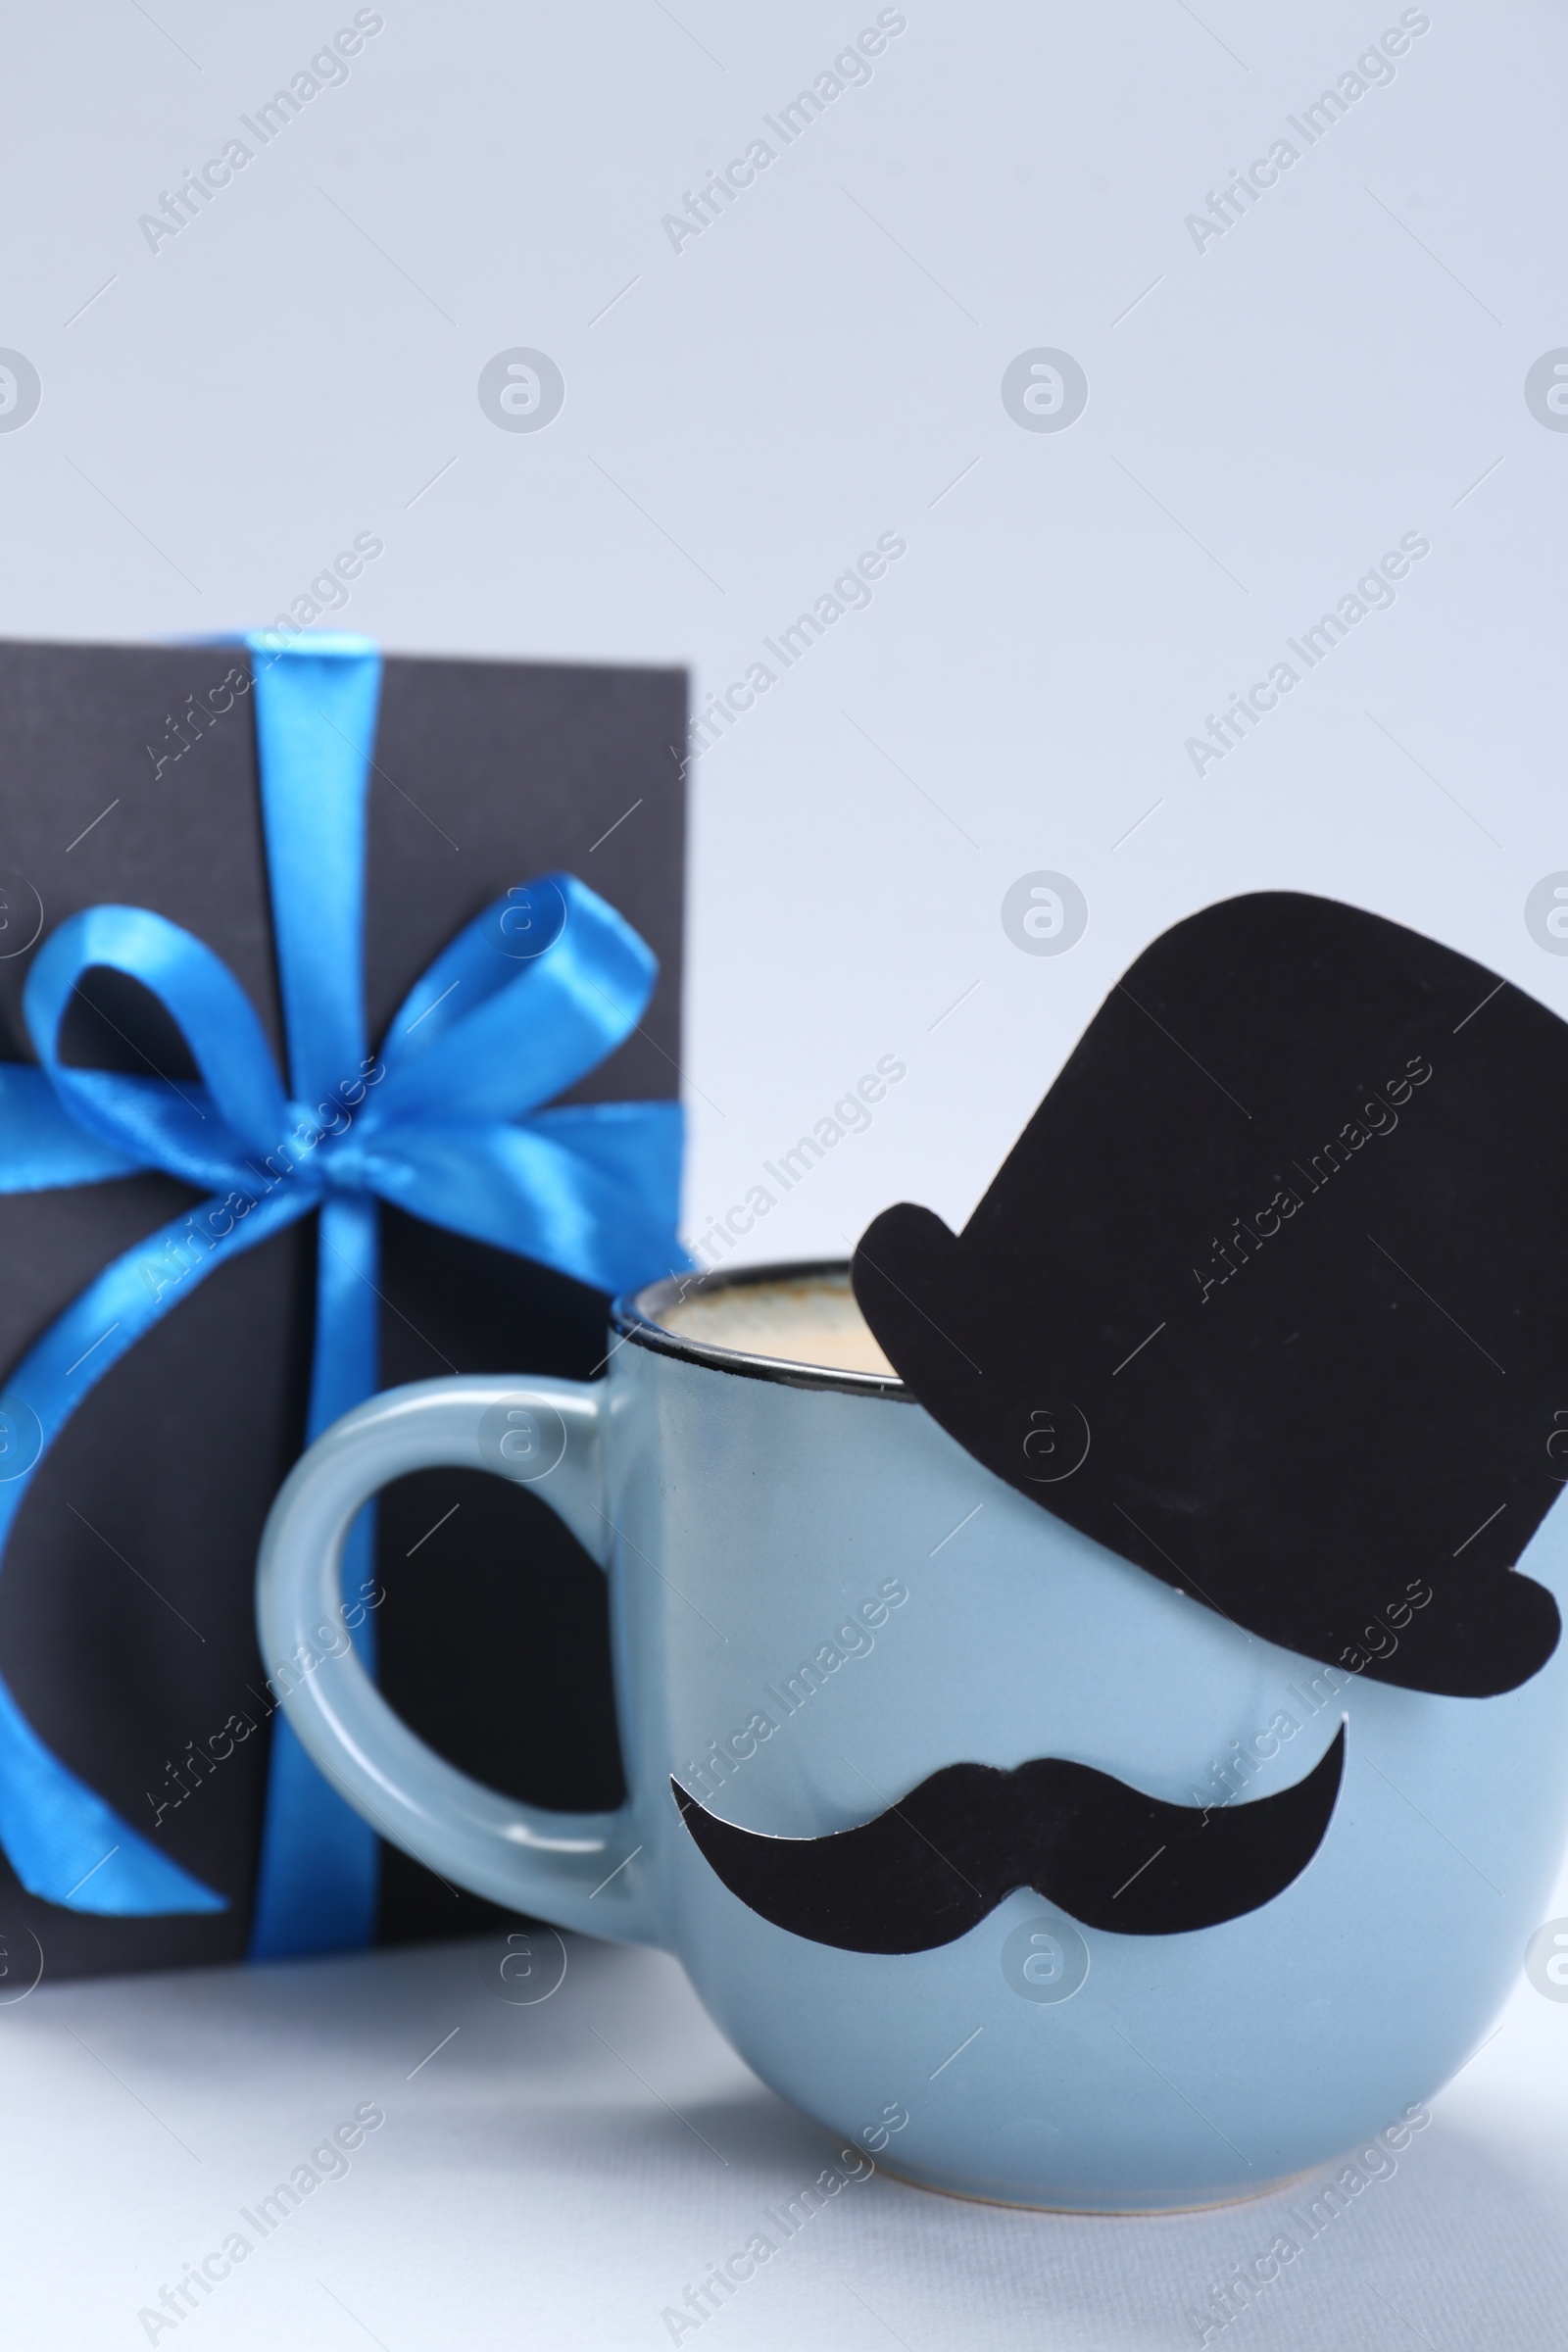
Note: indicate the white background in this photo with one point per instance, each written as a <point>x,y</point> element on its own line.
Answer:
<point>558,2175</point>
<point>821,365</point>
<point>816,369</point>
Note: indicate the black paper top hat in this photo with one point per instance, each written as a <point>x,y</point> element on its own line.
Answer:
<point>1271,1294</point>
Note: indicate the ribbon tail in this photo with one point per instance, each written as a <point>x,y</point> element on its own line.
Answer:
<point>65,1843</point>
<point>319,1879</point>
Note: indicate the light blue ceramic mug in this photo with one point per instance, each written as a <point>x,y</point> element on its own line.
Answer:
<point>818,1602</point>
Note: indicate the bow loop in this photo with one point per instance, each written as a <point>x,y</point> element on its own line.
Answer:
<point>529,998</point>
<point>46,1150</point>
<point>588,1199</point>
<point>201,1133</point>
<point>152,1125</point>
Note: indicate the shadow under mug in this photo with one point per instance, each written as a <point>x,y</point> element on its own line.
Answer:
<point>817,1600</point>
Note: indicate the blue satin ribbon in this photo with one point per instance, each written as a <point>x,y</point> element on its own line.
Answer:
<point>445,1121</point>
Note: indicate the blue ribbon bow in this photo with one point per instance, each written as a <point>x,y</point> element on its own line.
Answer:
<point>443,1122</point>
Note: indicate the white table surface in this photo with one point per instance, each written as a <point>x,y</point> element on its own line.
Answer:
<point>560,2174</point>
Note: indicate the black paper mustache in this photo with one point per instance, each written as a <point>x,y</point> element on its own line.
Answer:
<point>934,1865</point>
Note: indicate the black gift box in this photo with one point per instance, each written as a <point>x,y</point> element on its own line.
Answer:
<point>127,1627</point>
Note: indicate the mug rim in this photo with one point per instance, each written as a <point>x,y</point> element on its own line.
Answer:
<point>634,1317</point>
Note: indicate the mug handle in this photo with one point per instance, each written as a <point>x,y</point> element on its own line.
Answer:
<point>578,1870</point>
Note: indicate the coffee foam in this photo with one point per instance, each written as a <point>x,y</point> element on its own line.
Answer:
<point>810,1320</point>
